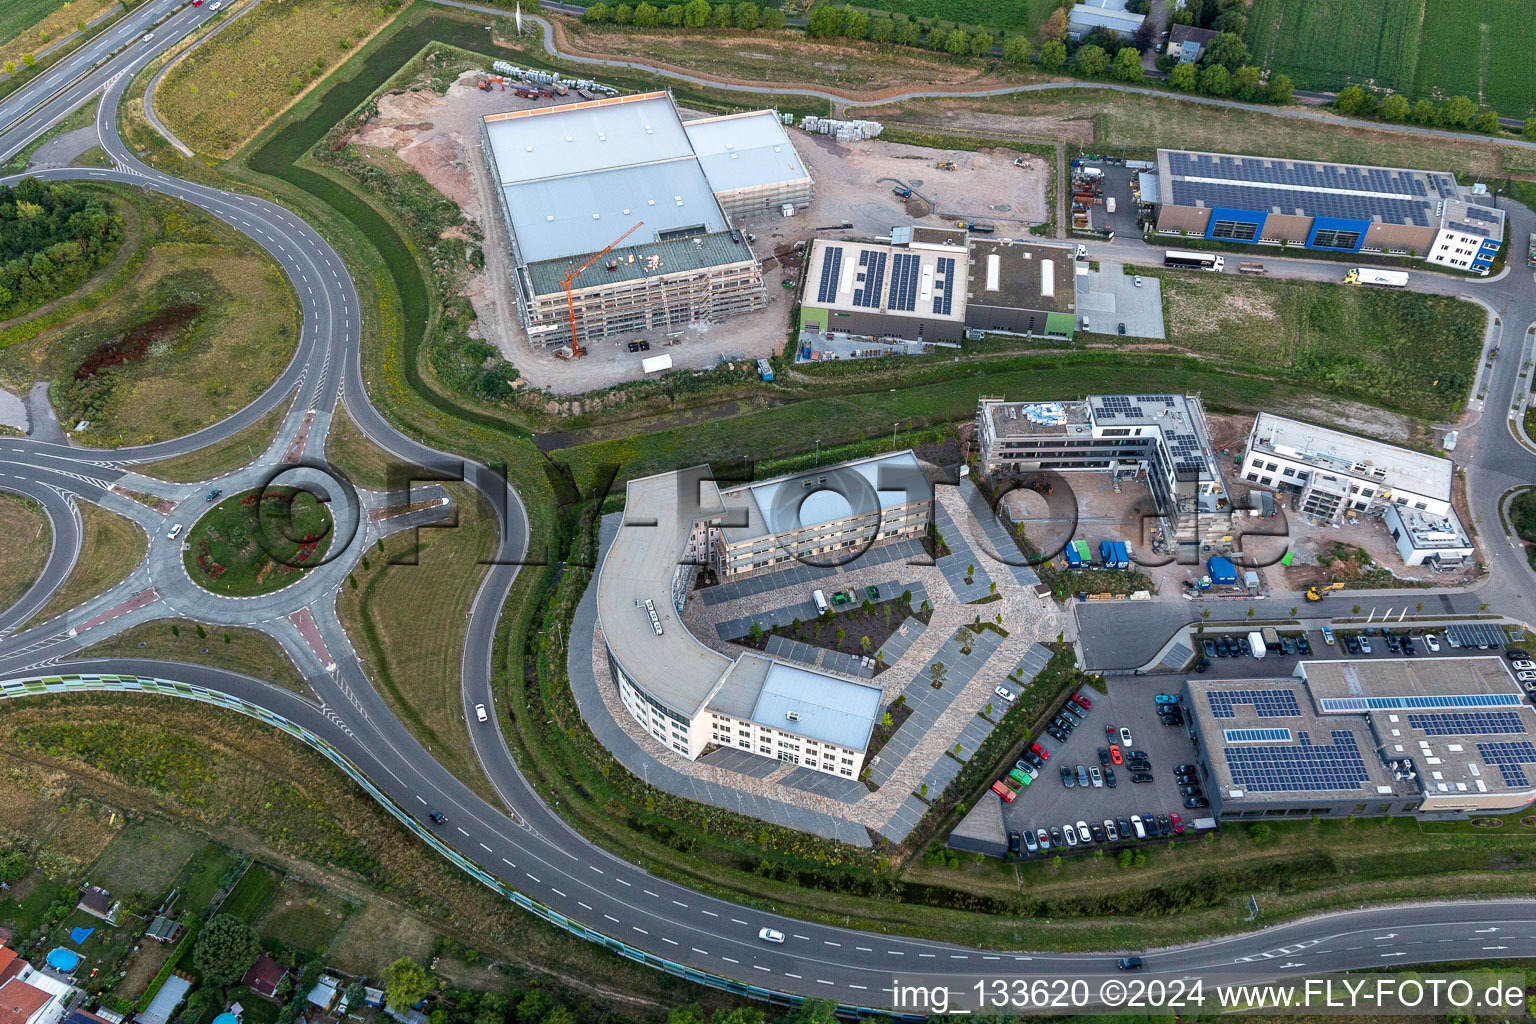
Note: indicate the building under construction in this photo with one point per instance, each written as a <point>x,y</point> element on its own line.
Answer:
<point>618,213</point>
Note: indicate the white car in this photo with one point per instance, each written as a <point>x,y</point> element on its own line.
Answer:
<point>1527,676</point>
<point>1007,695</point>
<point>771,935</point>
<point>1125,736</point>
<point>1138,280</point>
<point>1084,833</point>
<point>1069,832</point>
<point>215,5</point>
<point>1141,830</point>
<point>174,532</point>
<point>1523,665</point>
<point>1097,776</point>
<point>480,713</point>
<point>148,37</point>
<point>1431,642</point>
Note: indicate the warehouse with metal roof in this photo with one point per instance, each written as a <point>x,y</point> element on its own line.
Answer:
<point>619,215</point>
<point>1338,207</point>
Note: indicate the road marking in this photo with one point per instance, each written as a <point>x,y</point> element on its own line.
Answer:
<point>760,967</point>
<point>737,920</point>
<point>463,833</point>
<point>863,949</point>
<point>557,892</point>
<point>711,913</point>
<point>928,955</point>
<point>637,928</point>
<point>852,985</point>
<point>611,918</point>
<point>825,942</point>
<point>595,868</point>
<point>696,949</point>
<point>582,905</point>
<point>622,882</point>
<point>535,879</point>
<point>821,981</point>
<point>895,952</point>
<point>648,892</point>
<point>667,940</point>
<point>729,960</point>
<point>675,903</point>
<point>788,975</point>
<point>487,849</point>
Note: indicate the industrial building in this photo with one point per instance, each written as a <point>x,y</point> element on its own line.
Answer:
<point>826,517</point>
<point>1163,439</point>
<point>687,695</point>
<point>1109,15</point>
<point>619,215</point>
<point>1337,207</point>
<point>1442,737</point>
<point>1020,288</point>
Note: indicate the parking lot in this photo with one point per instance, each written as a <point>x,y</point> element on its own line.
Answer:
<point>1109,297</point>
<point>1276,664</point>
<point>1047,803</point>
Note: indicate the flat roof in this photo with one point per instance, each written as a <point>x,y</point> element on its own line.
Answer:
<point>584,213</point>
<point>652,259</point>
<point>1039,419</point>
<point>817,496</point>
<point>1109,13</point>
<point>1305,188</point>
<point>1021,275</point>
<point>871,277</point>
<point>659,513</point>
<point>1473,219</point>
<point>823,707</point>
<point>1353,455</point>
<point>1429,532</point>
<point>575,138</point>
<point>748,150</point>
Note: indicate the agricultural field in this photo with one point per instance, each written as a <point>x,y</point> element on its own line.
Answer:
<point>29,25</point>
<point>1402,350</point>
<point>28,539</point>
<point>251,894</point>
<point>221,94</point>
<point>145,857</point>
<point>1016,17</point>
<point>1436,49</point>
<point>201,325</point>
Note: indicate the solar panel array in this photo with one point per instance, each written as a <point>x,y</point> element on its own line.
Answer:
<point>1286,172</point>
<point>904,268</point>
<point>1467,723</point>
<point>1444,184</point>
<point>870,279</point>
<point>944,288</point>
<point>1188,457</point>
<point>1114,406</point>
<point>831,273</point>
<point>1450,700</point>
<point>1342,206</point>
<point>1509,758</point>
<point>1470,229</point>
<point>1479,634</point>
<point>1300,768</point>
<point>1265,703</point>
<point>1257,735</point>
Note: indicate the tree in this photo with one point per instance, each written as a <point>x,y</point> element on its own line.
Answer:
<point>225,950</point>
<point>1528,129</point>
<point>405,985</point>
<point>981,44</point>
<point>938,672</point>
<point>356,995</point>
<point>672,15</point>
<point>756,633</point>
<point>936,38</point>
<point>1259,833</point>
<point>1458,112</point>
<point>1245,82</point>
<point>696,14</point>
<point>1214,80</point>
<point>28,59</point>
<point>1143,36</point>
<point>597,14</point>
<point>825,21</point>
<point>647,15</point>
<point>772,19</point>
<point>1424,112</point>
<point>623,14</point>
<point>747,16</point>
<point>906,32</point>
<point>1053,55</point>
<point>1128,65</point>
<point>1016,51</point>
<point>722,16</point>
<point>1350,100</point>
<point>1226,49</point>
<point>881,30</point>
<point>1091,60</point>
<point>10,68</point>
<point>855,24</point>
<point>1232,20</point>
<point>1278,90</point>
<point>1055,28</point>
<point>1394,108</point>
<point>1182,78</point>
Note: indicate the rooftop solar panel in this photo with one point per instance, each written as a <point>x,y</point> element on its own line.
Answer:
<point>1467,723</point>
<point>831,273</point>
<point>1452,700</point>
<point>1301,767</point>
<point>904,271</point>
<point>1257,735</point>
<point>1509,758</point>
<point>868,290</point>
<point>1265,703</point>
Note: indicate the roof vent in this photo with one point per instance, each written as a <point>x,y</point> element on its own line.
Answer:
<point>549,216</point>
<point>601,137</point>
<point>735,155</point>
<point>650,202</point>
<point>596,216</point>
<point>569,139</point>
<point>626,210</point>
<point>778,149</point>
<point>793,716</point>
<point>528,149</point>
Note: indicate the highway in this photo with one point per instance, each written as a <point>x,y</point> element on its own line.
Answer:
<point>523,845</point>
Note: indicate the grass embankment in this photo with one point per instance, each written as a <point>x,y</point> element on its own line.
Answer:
<point>77,765</point>
<point>110,547</point>
<point>407,616</point>
<point>203,323</point>
<point>214,97</point>
<point>365,463</point>
<point>258,541</point>
<point>236,649</point>
<point>239,449</point>
<point>81,118</point>
<point>28,539</point>
<point>1522,516</point>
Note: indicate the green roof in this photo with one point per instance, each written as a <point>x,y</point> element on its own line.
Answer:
<point>676,256</point>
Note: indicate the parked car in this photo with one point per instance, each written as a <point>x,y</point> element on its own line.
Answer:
<point>1365,645</point>
<point>1109,778</point>
<point>1327,636</point>
<point>1074,713</point>
<point>1068,777</point>
<point>1040,752</point>
<point>1431,641</point>
<point>1056,734</point>
<point>1082,702</point>
<point>1112,733</point>
<point>1115,755</point>
<point>1082,776</point>
<point>1209,646</point>
<point>1137,764</point>
<point>1084,833</point>
<point>1189,791</point>
<point>1069,833</point>
<point>1523,665</point>
<point>1030,842</point>
<point>1124,825</point>
<point>1165,698</point>
<point>1183,769</point>
<point>1137,279</point>
<point>1125,736</point>
<point>1057,839</point>
<point>1138,827</point>
<point>1164,825</point>
<point>1352,644</point>
<point>1408,646</point>
<point>1515,654</point>
<point>1177,823</point>
<point>1243,647</point>
<point>1006,695</point>
<point>1099,835</point>
<point>1526,676</point>
<point>1394,645</point>
<point>1104,755</point>
<point>873,593</point>
<point>1044,839</point>
<point>1141,776</point>
<point>1202,665</point>
<point>1194,803</point>
<point>1221,647</point>
<point>1112,834</point>
<point>1096,776</point>
<point>1035,759</point>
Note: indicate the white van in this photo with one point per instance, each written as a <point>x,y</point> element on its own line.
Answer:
<point>821,602</point>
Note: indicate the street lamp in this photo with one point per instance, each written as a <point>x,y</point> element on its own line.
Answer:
<point>818,451</point>
<point>893,432</point>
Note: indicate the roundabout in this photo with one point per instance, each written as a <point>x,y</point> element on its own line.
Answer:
<point>259,541</point>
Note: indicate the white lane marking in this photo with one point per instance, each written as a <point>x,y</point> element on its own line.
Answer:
<point>829,942</point>
<point>711,913</point>
<point>760,967</point>
<point>595,868</point>
<point>622,882</point>
<point>462,832</point>
<point>535,879</point>
<point>557,892</point>
<point>822,981</point>
<point>788,975</point>
<point>696,949</point>
<point>637,928</point>
<point>895,952</point>
<point>675,903</point>
<point>487,849</point>
<point>737,920</point>
<point>648,892</point>
<point>611,918</point>
<point>667,940</point>
<point>729,960</point>
<point>852,985</point>
<point>582,905</point>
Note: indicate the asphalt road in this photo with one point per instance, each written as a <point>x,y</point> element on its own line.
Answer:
<point>523,844</point>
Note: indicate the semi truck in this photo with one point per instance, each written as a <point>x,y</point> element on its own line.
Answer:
<point>1379,278</point>
<point>1256,641</point>
<point>980,228</point>
<point>1250,268</point>
<point>1271,636</point>
<point>1194,260</point>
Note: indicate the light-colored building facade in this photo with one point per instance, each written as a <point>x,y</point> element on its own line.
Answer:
<point>1423,538</point>
<point>685,694</point>
<point>1334,474</point>
<point>1469,238</point>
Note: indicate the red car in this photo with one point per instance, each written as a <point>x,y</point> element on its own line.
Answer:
<point>1082,702</point>
<point>1112,733</point>
<point>197,3</point>
<point>1115,755</point>
<point>1177,823</point>
<point>1040,752</point>
<point>1004,792</point>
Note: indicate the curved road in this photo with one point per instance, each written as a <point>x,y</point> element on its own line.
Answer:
<point>523,847</point>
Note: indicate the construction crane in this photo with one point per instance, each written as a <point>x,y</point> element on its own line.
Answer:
<point>570,303</point>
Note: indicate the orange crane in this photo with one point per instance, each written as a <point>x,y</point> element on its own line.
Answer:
<point>570,303</point>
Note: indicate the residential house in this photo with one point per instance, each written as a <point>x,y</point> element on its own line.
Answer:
<point>97,902</point>
<point>163,929</point>
<point>28,996</point>
<point>1186,42</point>
<point>263,976</point>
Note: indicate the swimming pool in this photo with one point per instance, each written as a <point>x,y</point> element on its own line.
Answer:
<point>61,959</point>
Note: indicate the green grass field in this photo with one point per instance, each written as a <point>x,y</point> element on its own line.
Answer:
<point>204,873</point>
<point>1016,16</point>
<point>251,894</point>
<point>144,857</point>
<point>1445,47</point>
<point>17,16</point>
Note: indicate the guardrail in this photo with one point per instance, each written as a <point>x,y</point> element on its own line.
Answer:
<point>106,683</point>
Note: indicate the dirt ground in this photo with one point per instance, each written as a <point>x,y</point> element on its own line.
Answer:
<point>854,182</point>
